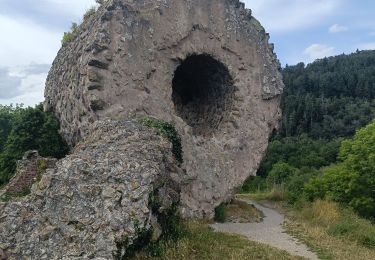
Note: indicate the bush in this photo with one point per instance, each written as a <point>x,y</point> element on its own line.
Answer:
<point>69,36</point>
<point>220,213</point>
<point>281,172</point>
<point>295,185</point>
<point>254,184</point>
<point>353,180</point>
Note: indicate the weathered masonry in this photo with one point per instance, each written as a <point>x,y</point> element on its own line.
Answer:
<point>205,66</point>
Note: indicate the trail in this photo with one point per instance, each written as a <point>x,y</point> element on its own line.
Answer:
<point>270,231</point>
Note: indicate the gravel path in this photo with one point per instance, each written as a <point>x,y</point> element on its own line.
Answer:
<point>269,231</point>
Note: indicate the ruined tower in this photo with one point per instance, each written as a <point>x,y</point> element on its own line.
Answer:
<point>205,66</point>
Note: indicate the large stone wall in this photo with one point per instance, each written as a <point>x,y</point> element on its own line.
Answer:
<point>93,199</point>
<point>205,66</point>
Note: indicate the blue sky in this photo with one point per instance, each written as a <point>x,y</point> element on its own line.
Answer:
<point>302,30</point>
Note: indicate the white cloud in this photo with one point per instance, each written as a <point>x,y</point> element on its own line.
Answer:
<point>367,46</point>
<point>23,84</point>
<point>290,15</point>
<point>29,46</point>
<point>74,7</point>
<point>29,92</point>
<point>25,42</point>
<point>337,28</point>
<point>318,51</point>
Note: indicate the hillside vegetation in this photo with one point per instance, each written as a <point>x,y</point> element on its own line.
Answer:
<point>321,162</point>
<point>23,129</point>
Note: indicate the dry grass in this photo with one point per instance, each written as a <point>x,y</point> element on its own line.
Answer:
<point>242,212</point>
<point>311,224</point>
<point>202,242</point>
<point>322,212</point>
<point>273,195</point>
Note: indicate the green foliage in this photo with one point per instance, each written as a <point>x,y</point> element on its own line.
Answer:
<point>281,172</point>
<point>42,166</point>
<point>172,229</point>
<point>294,187</point>
<point>24,192</point>
<point>254,184</point>
<point>69,36</point>
<point>91,11</point>
<point>5,197</point>
<point>30,129</point>
<point>168,131</point>
<point>329,98</point>
<point>220,213</point>
<point>301,151</point>
<point>324,103</point>
<point>7,113</point>
<point>202,242</point>
<point>353,180</point>
<point>354,228</point>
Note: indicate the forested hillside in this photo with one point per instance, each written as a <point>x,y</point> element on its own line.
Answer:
<point>329,98</point>
<point>324,103</point>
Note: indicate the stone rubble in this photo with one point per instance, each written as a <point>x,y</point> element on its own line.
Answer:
<point>93,198</point>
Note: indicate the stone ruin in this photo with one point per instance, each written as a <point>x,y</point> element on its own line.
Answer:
<point>29,170</point>
<point>91,201</point>
<point>204,66</point>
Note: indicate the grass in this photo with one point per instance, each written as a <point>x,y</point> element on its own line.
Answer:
<point>334,233</point>
<point>241,212</point>
<point>201,242</point>
<point>273,195</point>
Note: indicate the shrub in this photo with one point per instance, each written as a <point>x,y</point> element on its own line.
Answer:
<point>281,172</point>
<point>254,184</point>
<point>69,36</point>
<point>91,11</point>
<point>220,213</point>
<point>295,185</point>
<point>353,180</point>
<point>167,130</point>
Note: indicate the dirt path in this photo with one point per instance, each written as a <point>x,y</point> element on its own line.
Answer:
<point>269,231</point>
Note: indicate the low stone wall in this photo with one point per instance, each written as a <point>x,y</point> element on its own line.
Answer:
<point>29,169</point>
<point>93,200</point>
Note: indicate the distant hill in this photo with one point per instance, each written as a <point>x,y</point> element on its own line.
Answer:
<point>322,103</point>
<point>330,97</point>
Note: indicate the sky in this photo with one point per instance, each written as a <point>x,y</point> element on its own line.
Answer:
<point>302,31</point>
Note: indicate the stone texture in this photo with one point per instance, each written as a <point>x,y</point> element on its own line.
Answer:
<point>92,198</point>
<point>205,66</point>
<point>29,169</point>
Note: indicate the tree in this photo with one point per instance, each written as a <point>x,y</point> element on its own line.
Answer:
<point>352,181</point>
<point>31,129</point>
<point>280,173</point>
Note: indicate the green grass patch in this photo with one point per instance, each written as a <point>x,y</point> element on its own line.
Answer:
<point>201,242</point>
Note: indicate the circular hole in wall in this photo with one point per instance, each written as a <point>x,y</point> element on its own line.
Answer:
<point>202,92</point>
